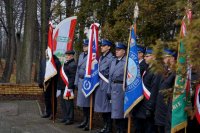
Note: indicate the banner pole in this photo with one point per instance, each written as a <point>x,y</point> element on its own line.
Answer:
<point>91,106</point>
<point>53,104</point>
<point>129,123</point>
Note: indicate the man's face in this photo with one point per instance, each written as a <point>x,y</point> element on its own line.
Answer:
<point>166,60</point>
<point>140,55</point>
<point>85,48</point>
<point>119,53</point>
<point>69,57</point>
<point>105,48</point>
<point>148,58</point>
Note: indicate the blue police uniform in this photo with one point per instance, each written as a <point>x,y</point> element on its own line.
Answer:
<point>116,75</point>
<point>102,103</point>
<point>82,101</point>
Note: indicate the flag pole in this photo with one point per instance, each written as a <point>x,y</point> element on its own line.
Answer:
<point>53,99</point>
<point>136,12</point>
<point>91,106</point>
<point>124,83</point>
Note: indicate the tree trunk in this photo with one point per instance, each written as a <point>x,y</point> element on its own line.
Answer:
<point>28,41</point>
<point>45,16</point>
<point>11,41</point>
<point>19,45</point>
<point>36,50</point>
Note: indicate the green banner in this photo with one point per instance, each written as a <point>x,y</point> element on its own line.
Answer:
<point>179,116</point>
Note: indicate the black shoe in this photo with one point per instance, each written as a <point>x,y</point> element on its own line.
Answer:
<point>69,122</point>
<point>86,128</point>
<point>63,121</point>
<point>82,125</point>
<point>101,130</point>
<point>45,116</point>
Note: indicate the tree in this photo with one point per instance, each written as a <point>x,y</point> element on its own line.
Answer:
<point>28,41</point>
<point>10,29</point>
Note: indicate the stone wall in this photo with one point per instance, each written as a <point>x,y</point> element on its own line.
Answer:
<point>12,89</point>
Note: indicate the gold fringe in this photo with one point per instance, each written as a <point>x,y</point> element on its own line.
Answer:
<point>179,127</point>
<point>130,108</point>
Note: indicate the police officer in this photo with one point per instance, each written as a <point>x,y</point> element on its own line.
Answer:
<point>67,105</point>
<point>143,116</point>
<point>142,63</point>
<point>82,101</point>
<point>166,83</point>
<point>102,104</point>
<point>115,91</point>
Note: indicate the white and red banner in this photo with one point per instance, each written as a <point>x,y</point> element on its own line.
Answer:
<point>68,93</point>
<point>50,65</point>
<point>91,79</point>
<point>197,103</point>
<point>63,37</point>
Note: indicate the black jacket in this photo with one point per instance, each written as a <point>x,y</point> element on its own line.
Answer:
<point>161,105</point>
<point>70,71</point>
<point>152,82</point>
<point>143,66</point>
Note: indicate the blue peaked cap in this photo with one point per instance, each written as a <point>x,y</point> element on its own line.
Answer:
<point>105,42</point>
<point>85,42</point>
<point>169,52</point>
<point>140,49</point>
<point>120,45</point>
<point>149,51</point>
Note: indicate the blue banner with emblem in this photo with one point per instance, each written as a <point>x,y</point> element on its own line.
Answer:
<point>91,79</point>
<point>134,90</point>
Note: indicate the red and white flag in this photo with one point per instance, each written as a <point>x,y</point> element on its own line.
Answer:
<point>50,64</point>
<point>197,103</point>
<point>68,93</point>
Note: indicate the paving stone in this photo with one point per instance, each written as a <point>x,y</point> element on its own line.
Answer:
<point>24,117</point>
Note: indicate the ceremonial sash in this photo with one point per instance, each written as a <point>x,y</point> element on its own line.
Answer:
<point>146,92</point>
<point>103,77</point>
<point>197,103</point>
<point>68,93</point>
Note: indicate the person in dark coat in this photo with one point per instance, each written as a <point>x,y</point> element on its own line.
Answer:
<point>166,83</point>
<point>82,101</point>
<point>115,92</point>
<point>49,86</point>
<point>67,105</point>
<point>143,65</point>
<point>144,112</point>
<point>101,103</point>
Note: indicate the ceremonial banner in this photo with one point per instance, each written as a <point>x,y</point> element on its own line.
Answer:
<point>179,115</point>
<point>133,91</point>
<point>50,70</point>
<point>197,103</point>
<point>91,79</point>
<point>63,36</point>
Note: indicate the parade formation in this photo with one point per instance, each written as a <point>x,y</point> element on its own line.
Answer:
<point>120,82</point>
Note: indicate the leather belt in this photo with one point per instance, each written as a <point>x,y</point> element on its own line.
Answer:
<point>117,81</point>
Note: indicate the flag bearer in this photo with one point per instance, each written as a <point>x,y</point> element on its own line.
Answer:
<point>166,83</point>
<point>102,104</point>
<point>115,91</point>
<point>67,103</point>
<point>82,101</point>
<point>144,112</point>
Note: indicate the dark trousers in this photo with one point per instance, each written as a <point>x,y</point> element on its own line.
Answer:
<point>86,112</point>
<point>49,100</point>
<point>67,107</point>
<point>121,125</point>
<point>144,125</point>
